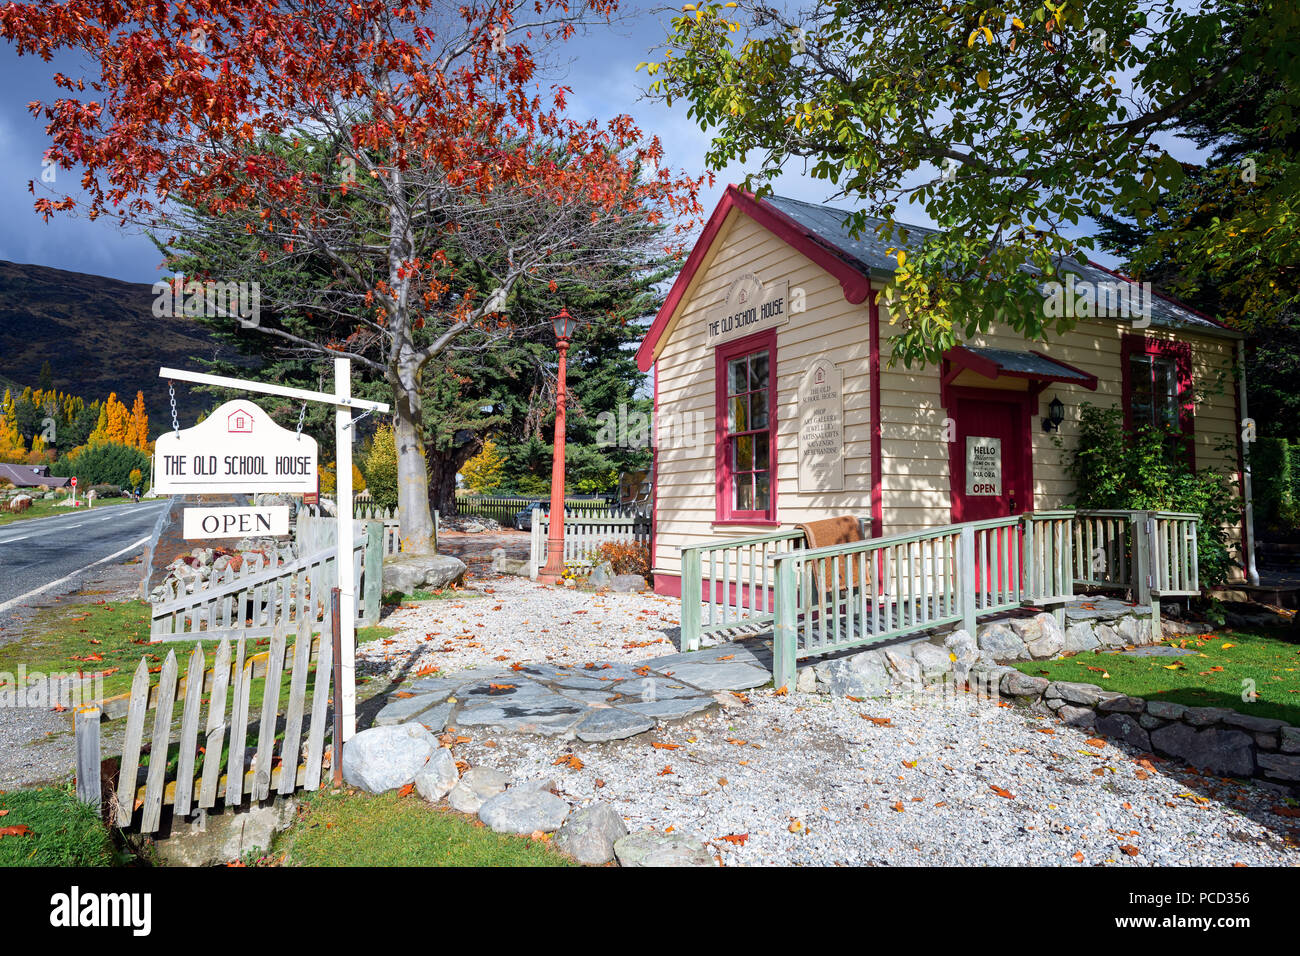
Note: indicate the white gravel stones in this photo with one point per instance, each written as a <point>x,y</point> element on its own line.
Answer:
<point>814,781</point>
<point>518,620</point>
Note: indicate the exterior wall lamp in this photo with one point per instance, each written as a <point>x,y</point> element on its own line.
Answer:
<point>1055,415</point>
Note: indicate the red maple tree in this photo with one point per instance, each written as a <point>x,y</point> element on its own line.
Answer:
<point>445,142</point>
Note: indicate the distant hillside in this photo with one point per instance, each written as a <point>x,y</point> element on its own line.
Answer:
<point>99,336</point>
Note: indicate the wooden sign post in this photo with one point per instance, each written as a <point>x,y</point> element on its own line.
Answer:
<point>245,472</point>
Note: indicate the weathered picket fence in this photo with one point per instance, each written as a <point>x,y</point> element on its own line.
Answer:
<point>388,517</point>
<point>585,530</point>
<point>222,763</point>
<point>503,508</point>
<point>254,599</point>
<point>822,600</point>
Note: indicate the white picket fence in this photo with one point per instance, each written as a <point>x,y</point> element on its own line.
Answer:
<point>364,511</point>
<point>584,532</point>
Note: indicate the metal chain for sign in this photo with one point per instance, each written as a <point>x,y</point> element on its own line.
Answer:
<point>302,413</point>
<point>171,393</point>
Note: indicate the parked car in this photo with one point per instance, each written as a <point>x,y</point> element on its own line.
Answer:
<point>524,519</point>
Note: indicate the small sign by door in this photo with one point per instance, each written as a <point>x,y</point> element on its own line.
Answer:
<point>983,466</point>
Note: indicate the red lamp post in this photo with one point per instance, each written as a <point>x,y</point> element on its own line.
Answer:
<point>553,572</point>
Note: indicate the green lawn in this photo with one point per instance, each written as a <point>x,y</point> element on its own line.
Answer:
<point>110,638</point>
<point>49,827</point>
<point>1226,665</point>
<point>447,594</point>
<point>46,509</point>
<point>350,828</point>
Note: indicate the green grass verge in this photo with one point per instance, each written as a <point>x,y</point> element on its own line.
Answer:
<point>447,594</point>
<point>349,828</point>
<point>1226,665</point>
<point>48,509</point>
<point>110,638</point>
<point>54,829</point>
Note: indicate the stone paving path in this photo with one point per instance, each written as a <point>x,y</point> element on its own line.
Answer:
<point>594,702</point>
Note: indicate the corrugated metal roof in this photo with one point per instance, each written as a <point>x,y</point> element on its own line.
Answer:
<point>1029,363</point>
<point>825,224</point>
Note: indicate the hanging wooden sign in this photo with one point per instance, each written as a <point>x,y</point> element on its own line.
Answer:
<point>237,448</point>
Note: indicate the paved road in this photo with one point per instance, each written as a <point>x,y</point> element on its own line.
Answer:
<point>37,552</point>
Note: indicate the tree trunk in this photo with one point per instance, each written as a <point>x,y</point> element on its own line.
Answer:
<point>415,518</point>
<point>442,482</point>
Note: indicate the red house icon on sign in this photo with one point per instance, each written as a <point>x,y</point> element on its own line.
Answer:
<point>239,422</point>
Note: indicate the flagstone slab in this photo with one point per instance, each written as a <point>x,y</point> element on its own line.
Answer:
<point>672,709</point>
<point>720,675</point>
<point>612,724</point>
<point>399,710</point>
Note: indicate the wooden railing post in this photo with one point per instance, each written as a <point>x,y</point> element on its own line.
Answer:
<point>692,594</point>
<point>785,636</point>
<point>374,564</point>
<point>966,578</point>
<point>1141,557</point>
<point>86,732</point>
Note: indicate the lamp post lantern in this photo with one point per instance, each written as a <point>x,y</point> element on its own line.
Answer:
<point>553,572</point>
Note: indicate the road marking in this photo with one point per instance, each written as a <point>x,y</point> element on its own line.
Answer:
<point>67,577</point>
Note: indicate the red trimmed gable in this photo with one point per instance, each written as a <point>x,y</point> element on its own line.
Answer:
<point>854,282</point>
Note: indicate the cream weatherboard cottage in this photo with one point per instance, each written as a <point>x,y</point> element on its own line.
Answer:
<point>775,403</point>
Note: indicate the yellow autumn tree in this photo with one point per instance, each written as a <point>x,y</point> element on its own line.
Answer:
<point>483,472</point>
<point>113,425</point>
<point>12,446</point>
<point>137,432</point>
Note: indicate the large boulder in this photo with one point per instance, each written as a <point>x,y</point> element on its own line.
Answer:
<point>653,848</point>
<point>385,758</point>
<point>524,810</point>
<point>965,653</point>
<point>1081,637</point>
<point>409,573</point>
<point>933,661</point>
<point>862,675</point>
<point>628,584</point>
<point>1001,642</point>
<point>1041,634</point>
<point>1227,752</point>
<point>477,785</point>
<point>589,834</point>
<point>439,775</point>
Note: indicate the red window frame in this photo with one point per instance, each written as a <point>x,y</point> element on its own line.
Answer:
<point>1181,354</point>
<point>724,354</point>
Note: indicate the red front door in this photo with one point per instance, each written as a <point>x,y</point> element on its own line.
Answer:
<point>989,458</point>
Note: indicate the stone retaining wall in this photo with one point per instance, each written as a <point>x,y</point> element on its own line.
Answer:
<point>1216,739</point>
<point>903,666</point>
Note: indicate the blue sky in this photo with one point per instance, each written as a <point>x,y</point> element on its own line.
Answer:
<point>601,73</point>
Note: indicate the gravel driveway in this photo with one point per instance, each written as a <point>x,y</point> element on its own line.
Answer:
<point>801,779</point>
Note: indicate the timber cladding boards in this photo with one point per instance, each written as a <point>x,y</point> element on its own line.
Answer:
<point>915,485</point>
<point>830,328</point>
<point>914,467</point>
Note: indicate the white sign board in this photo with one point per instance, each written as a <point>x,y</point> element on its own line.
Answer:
<point>238,448</point>
<point>235,522</point>
<point>983,466</point>
<point>750,307</point>
<point>821,428</point>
